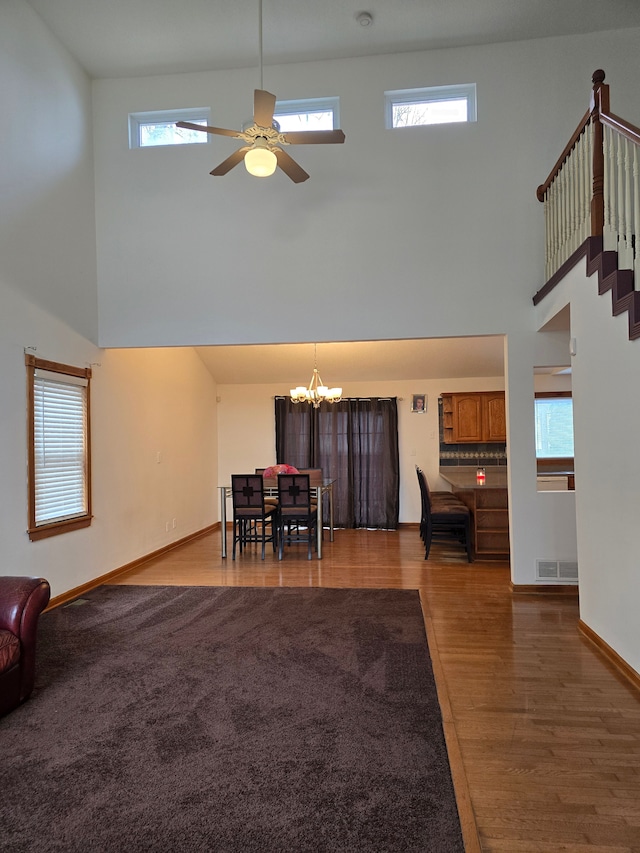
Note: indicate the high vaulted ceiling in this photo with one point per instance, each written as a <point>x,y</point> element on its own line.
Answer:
<point>127,38</point>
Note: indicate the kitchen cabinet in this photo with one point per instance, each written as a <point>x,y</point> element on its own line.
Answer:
<point>474,417</point>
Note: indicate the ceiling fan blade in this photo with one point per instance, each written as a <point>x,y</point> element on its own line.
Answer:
<point>313,137</point>
<point>289,166</point>
<point>221,131</point>
<point>264,103</point>
<point>230,162</point>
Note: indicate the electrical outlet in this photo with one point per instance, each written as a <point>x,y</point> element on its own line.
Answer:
<point>167,526</point>
<point>174,523</point>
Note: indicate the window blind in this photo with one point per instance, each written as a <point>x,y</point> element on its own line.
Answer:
<point>60,446</point>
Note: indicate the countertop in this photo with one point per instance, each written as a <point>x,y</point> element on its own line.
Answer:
<point>462,477</point>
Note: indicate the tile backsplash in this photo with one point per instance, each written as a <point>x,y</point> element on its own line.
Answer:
<point>491,453</point>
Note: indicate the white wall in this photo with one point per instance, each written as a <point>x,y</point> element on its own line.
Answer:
<point>606,407</point>
<point>47,227</point>
<point>150,405</point>
<point>429,229</point>
<point>142,401</point>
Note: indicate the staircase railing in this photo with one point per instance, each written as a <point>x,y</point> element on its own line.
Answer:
<point>594,189</point>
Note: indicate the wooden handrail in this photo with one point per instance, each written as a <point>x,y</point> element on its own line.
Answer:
<point>567,150</point>
<point>598,115</point>
<point>624,128</point>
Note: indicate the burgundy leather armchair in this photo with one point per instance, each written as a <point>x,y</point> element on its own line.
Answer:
<point>22,600</point>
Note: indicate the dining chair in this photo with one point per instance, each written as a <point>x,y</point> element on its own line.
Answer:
<point>429,498</point>
<point>296,512</point>
<point>444,517</point>
<point>253,519</point>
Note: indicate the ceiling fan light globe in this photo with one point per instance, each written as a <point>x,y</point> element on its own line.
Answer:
<point>260,162</point>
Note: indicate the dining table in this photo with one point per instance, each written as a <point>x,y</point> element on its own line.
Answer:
<point>319,485</point>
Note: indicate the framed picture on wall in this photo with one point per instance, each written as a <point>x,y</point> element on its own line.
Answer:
<point>419,403</point>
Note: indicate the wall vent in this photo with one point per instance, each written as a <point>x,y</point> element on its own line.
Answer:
<point>557,571</point>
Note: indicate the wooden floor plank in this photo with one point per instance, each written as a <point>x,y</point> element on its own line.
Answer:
<point>543,733</point>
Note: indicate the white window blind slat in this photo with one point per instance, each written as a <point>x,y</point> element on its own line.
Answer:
<point>60,422</point>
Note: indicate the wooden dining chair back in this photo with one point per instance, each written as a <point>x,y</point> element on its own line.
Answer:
<point>253,519</point>
<point>297,512</point>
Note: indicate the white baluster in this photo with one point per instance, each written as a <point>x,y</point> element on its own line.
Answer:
<point>636,215</point>
<point>564,230</point>
<point>626,262</point>
<point>621,187</point>
<point>553,232</point>
<point>547,237</point>
<point>587,177</point>
<point>609,240</point>
<point>573,200</point>
<point>585,185</point>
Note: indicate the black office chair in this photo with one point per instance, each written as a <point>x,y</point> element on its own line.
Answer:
<point>296,512</point>
<point>253,520</point>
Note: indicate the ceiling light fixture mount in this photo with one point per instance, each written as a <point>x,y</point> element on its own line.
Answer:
<point>316,392</point>
<point>365,19</point>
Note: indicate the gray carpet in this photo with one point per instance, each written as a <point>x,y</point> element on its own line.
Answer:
<point>229,720</point>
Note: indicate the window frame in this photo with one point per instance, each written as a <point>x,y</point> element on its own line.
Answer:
<point>309,105</point>
<point>546,462</point>
<point>76,522</point>
<point>429,95</point>
<point>192,114</point>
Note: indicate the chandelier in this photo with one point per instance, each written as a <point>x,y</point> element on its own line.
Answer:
<point>316,392</point>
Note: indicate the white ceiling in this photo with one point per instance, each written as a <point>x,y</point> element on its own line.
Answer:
<point>340,363</point>
<point>128,38</point>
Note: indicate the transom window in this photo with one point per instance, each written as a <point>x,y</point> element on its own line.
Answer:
<point>159,128</point>
<point>434,105</point>
<point>308,114</point>
<point>59,464</point>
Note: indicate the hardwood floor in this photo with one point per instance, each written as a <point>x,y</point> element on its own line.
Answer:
<point>543,734</point>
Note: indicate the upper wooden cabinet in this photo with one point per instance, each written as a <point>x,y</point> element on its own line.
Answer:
<point>474,417</point>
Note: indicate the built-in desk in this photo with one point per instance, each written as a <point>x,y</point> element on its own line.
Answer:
<point>489,505</point>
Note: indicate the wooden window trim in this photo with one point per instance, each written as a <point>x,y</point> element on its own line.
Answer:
<point>44,531</point>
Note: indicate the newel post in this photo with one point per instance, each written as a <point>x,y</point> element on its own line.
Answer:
<point>599,105</point>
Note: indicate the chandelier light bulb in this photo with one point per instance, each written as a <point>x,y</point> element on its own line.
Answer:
<point>316,392</point>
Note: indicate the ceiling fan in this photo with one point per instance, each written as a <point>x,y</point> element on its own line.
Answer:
<point>262,151</point>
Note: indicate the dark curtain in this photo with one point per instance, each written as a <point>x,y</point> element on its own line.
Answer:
<point>355,442</point>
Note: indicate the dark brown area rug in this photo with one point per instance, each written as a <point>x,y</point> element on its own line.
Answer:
<point>177,719</point>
